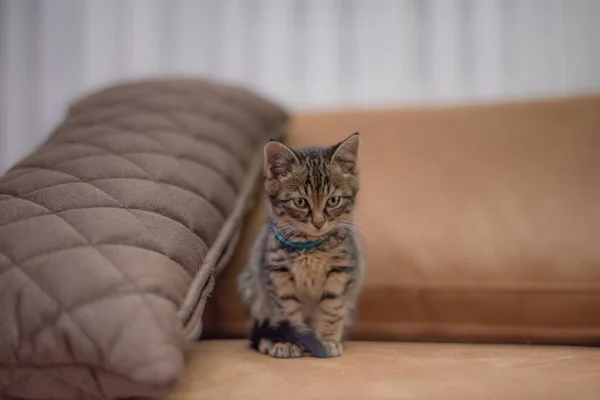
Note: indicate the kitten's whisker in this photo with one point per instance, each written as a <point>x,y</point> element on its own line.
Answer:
<point>357,228</point>
<point>354,227</point>
<point>281,228</point>
<point>285,230</point>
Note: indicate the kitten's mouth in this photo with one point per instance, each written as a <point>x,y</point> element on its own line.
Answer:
<point>302,230</point>
<point>313,232</point>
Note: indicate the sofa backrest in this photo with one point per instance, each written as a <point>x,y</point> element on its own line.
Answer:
<point>481,223</point>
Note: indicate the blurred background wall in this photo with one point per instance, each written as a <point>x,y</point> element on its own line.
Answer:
<point>306,54</point>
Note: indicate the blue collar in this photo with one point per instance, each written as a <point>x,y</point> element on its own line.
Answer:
<point>306,245</point>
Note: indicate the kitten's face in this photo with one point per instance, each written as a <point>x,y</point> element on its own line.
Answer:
<point>312,190</point>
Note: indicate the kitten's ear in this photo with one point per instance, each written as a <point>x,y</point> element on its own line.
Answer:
<point>279,159</point>
<point>345,153</point>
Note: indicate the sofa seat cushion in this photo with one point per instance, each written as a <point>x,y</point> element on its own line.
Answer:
<point>378,370</point>
<point>480,223</point>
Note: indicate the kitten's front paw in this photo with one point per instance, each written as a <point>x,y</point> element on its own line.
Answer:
<point>334,349</point>
<point>279,349</point>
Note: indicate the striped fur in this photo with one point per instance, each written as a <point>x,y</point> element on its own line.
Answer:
<point>304,300</point>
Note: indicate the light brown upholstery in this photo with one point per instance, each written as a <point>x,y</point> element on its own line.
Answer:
<point>480,223</point>
<point>392,371</point>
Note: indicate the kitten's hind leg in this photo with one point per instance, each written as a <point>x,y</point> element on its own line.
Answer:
<point>269,340</point>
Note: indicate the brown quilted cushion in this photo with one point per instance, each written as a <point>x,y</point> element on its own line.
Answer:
<point>111,231</point>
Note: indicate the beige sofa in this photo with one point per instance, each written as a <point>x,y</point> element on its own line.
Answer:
<point>481,226</point>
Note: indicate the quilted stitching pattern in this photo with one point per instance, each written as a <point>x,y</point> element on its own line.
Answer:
<point>106,225</point>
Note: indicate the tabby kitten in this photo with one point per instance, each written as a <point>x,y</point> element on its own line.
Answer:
<point>303,277</point>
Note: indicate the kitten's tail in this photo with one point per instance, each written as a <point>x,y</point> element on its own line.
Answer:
<point>284,332</point>
<point>306,339</point>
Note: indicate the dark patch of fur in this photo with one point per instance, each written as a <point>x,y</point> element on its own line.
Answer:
<point>284,332</point>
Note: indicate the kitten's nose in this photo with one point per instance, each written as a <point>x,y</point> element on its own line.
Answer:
<point>318,221</point>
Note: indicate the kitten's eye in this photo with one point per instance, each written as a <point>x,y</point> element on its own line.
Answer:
<point>299,202</point>
<point>333,201</point>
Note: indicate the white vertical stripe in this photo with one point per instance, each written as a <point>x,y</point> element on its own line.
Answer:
<point>555,36</point>
<point>141,29</point>
<point>594,40</point>
<point>192,37</point>
<point>17,90</point>
<point>401,49</point>
<point>486,49</point>
<point>446,51</point>
<point>367,45</point>
<point>100,40</point>
<point>60,61</point>
<point>231,40</point>
<point>534,39</point>
<point>275,75</point>
<point>582,45</point>
<point>386,68</point>
<point>322,85</point>
<point>5,102</point>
